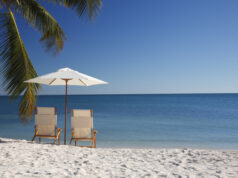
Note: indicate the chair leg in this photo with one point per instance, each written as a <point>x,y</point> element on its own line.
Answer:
<point>94,143</point>
<point>39,140</point>
<point>70,141</point>
<point>59,140</point>
<point>33,138</point>
<point>75,142</point>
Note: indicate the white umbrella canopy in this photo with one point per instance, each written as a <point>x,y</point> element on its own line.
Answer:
<point>73,77</point>
<point>66,76</point>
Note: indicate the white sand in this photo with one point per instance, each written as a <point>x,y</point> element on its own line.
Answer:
<point>19,158</point>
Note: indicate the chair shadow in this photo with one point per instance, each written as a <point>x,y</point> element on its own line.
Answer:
<point>11,141</point>
<point>3,141</point>
<point>15,141</point>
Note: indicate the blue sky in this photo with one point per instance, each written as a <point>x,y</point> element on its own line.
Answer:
<point>141,46</point>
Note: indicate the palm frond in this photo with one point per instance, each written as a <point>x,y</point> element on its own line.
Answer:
<point>40,18</point>
<point>8,3</point>
<point>91,7</point>
<point>16,66</point>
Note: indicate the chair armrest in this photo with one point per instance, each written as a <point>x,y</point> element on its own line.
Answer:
<point>36,130</point>
<point>72,132</point>
<point>95,132</point>
<point>59,130</point>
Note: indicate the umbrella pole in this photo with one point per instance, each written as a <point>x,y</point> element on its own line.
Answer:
<point>65,121</point>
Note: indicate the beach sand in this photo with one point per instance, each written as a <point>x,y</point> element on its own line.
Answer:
<point>21,158</point>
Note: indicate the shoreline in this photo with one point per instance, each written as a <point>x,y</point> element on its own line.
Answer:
<point>48,142</point>
<point>201,147</point>
<point>23,159</point>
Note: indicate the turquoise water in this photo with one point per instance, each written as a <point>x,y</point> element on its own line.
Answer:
<point>176,120</point>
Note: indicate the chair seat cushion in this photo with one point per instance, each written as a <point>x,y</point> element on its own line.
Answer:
<point>82,133</point>
<point>47,130</point>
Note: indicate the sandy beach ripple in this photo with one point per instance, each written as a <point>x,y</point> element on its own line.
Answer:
<point>20,158</point>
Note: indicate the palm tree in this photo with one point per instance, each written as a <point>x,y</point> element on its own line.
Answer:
<point>16,66</point>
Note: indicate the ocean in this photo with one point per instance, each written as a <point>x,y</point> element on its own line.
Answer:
<point>142,121</point>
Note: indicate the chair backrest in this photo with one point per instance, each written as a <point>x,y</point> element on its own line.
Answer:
<point>82,112</point>
<point>46,110</point>
<point>46,120</point>
<point>82,122</point>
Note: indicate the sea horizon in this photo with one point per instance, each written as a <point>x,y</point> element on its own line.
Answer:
<point>195,93</point>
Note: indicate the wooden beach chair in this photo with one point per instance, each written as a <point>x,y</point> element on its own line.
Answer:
<point>82,127</point>
<point>46,124</point>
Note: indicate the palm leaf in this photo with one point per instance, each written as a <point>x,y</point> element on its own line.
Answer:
<point>81,6</point>
<point>40,18</point>
<point>16,66</point>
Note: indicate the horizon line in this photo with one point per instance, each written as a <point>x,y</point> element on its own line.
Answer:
<point>137,94</point>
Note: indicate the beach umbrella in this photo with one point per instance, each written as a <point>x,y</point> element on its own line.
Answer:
<point>66,76</point>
